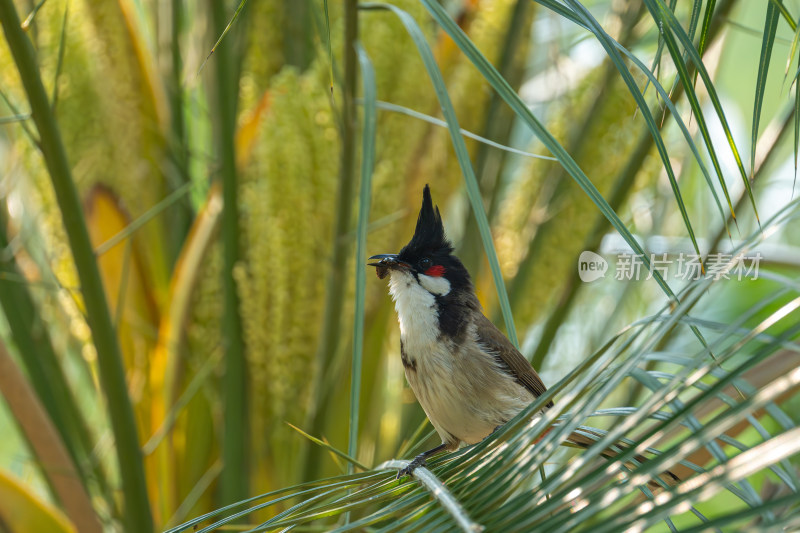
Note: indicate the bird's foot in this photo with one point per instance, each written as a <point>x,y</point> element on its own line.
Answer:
<point>413,465</point>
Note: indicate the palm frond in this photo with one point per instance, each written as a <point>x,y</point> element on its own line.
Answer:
<point>688,409</point>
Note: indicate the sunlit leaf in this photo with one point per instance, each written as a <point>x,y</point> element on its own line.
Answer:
<point>22,510</point>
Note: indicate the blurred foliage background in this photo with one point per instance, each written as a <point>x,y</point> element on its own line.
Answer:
<point>221,214</point>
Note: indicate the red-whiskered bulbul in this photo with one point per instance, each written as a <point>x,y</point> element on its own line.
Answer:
<point>467,376</point>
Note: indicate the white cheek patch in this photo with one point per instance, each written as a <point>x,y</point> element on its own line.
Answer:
<point>416,308</point>
<point>435,284</point>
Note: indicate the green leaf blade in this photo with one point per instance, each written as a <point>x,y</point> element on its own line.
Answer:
<point>770,29</point>
<point>365,194</point>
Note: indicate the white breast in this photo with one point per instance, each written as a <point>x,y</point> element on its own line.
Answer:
<point>463,391</point>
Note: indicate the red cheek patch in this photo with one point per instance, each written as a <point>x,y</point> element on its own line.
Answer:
<point>435,271</point>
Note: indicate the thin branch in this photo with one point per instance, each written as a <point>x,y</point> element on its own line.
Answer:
<point>388,106</point>
<point>337,277</point>
<point>438,491</point>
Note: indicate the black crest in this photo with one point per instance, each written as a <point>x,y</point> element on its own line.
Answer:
<point>429,234</point>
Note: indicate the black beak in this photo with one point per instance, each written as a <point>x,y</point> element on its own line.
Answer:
<point>387,261</point>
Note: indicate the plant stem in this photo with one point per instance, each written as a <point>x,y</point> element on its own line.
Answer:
<point>235,477</point>
<point>367,165</point>
<point>181,216</point>
<point>137,513</point>
<point>336,284</point>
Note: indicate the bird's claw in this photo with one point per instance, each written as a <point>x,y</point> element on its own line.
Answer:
<point>410,467</point>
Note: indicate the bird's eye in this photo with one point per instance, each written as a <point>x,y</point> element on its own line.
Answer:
<point>425,263</point>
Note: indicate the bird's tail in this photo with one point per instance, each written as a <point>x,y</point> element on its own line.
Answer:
<point>586,437</point>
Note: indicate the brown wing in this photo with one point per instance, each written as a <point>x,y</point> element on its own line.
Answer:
<point>510,358</point>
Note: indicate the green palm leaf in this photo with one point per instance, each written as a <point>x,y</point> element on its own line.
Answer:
<point>690,406</point>
<point>673,33</point>
<point>770,29</point>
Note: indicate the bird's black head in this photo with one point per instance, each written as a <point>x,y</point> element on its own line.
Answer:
<point>428,253</point>
<point>429,234</point>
